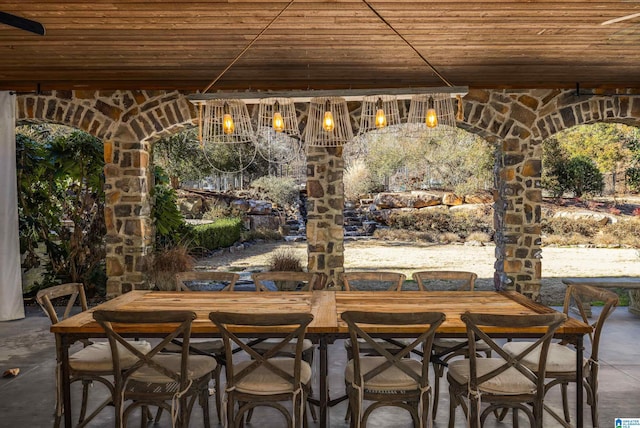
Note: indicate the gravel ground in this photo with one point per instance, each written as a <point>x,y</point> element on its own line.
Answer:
<point>557,263</point>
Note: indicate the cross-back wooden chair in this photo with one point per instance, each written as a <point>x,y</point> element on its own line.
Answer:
<point>389,379</point>
<point>445,280</point>
<point>289,280</point>
<point>505,382</point>
<point>222,281</point>
<point>561,361</point>
<point>158,379</point>
<point>372,281</point>
<point>268,378</point>
<point>446,348</point>
<point>93,362</point>
<point>369,281</point>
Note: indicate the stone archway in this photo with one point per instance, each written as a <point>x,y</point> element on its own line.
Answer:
<point>127,122</point>
<point>517,122</point>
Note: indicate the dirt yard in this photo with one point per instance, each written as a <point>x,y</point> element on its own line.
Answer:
<point>557,263</point>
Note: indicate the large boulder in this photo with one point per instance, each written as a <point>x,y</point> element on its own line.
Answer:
<point>452,199</point>
<point>421,199</point>
<point>391,200</point>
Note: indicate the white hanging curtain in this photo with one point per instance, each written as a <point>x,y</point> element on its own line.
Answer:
<point>11,303</point>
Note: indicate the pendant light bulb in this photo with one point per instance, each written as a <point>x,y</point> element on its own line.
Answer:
<point>431,118</point>
<point>227,121</point>
<point>328,124</point>
<point>381,119</point>
<point>278,121</point>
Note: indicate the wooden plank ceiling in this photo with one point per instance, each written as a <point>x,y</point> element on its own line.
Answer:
<point>320,44</point>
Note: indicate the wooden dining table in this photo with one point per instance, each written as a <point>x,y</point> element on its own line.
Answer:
<point>326,327</point>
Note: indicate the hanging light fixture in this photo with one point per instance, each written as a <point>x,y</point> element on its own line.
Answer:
<point>225,121</point>
<point>277,134</point>
<point>430,112</point>
<point>379,113</point>
<point>328,124</point>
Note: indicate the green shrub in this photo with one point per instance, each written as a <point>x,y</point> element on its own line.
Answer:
<point>280,190</point>
<point>584,177</point>
<point>219,234</point>
<point>633,178</point>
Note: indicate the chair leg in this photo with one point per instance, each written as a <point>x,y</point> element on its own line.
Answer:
<point>85,399</point>
<point>452,408</point>
<point>438,372</point>
<point>143,416</point>
<point>204,403</point>
<point>158,415</point>
<point>218,390</point>
<point>565,402</point>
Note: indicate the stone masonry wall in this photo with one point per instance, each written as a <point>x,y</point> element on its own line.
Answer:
<point>325,192</point>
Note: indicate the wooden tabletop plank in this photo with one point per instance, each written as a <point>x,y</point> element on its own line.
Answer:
<point>326,306</point>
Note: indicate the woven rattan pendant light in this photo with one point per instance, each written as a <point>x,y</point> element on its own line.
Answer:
<point>431,113</point>
<point>328,124</point>
<point>226,121</point>
<point>277,135</point>
<point>379,113</point>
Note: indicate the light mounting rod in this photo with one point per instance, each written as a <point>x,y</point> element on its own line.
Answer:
<point>348,94</point>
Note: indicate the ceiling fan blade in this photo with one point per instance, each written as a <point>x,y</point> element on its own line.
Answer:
<point>620,19</point>
<point>22,23</point>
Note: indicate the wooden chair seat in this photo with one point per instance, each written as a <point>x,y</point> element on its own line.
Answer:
<point>392,379</point>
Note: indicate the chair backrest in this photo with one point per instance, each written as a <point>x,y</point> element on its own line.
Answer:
<point>432,280</point>
<point>289,280</point>
<point>368,281</point>
<point>577,295</point>
<point>74,291</point>
<point>355,321</point>
<point>225,281</point>
<point>291,325</point>
<point>177,323</point>
<point>478,323</point>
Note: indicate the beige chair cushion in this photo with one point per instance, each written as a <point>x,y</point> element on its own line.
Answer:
<point>209,346</point>
<point>263,381</point>
<point>509,382</point>
<point>561,359</point>
<point>392,379</point>
<point>97,357</point>
<point>450,342</point>
<point>198,366</point>
<point>290,347</point>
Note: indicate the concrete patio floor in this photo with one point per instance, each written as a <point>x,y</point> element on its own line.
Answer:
<point>28,399</point>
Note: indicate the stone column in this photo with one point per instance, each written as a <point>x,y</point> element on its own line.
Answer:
<point>127,211</point>
<point>325,236</point>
